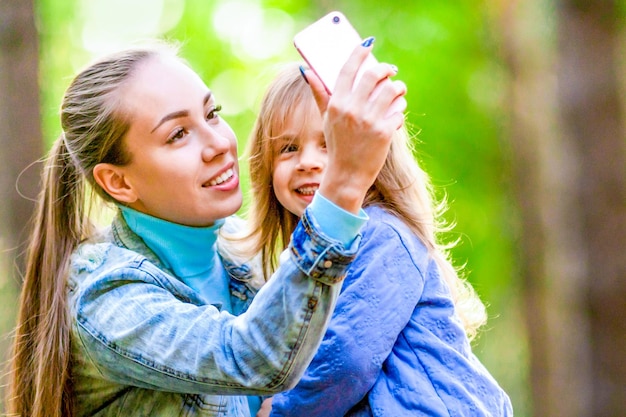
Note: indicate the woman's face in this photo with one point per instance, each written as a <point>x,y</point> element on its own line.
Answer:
<point>183,155</point>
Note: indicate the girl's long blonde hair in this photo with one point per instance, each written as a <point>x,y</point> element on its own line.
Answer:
<point>93,128</point>
<point>402,188</point>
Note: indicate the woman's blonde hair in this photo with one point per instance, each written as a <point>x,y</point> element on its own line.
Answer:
<point>94,124</point>
<point>402,188</point>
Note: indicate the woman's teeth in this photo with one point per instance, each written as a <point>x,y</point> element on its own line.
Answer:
<point>226,175</point>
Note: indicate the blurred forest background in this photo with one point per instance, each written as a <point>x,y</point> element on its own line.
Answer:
<point>518,109</point>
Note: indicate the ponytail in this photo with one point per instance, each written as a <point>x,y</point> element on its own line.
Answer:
<point>41,383</point>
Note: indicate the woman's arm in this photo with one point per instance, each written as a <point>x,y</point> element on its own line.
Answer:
<point>135,331</point>
<point>357,127</point>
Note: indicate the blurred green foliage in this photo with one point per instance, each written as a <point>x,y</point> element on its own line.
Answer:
<point>449,55</point>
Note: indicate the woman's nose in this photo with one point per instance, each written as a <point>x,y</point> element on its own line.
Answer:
<point>214,144</point>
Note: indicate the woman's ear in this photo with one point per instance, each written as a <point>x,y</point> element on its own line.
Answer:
<point>112,180</point>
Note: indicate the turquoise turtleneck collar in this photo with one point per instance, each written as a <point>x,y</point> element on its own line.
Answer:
<point>186,250</point>
<point>190,252</point>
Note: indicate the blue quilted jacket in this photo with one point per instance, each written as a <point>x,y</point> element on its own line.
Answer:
<point>395,346</point>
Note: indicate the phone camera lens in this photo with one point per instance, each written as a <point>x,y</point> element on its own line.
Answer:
<point>335,19</point>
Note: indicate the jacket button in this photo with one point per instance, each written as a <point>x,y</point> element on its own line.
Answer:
<point>328,264</point>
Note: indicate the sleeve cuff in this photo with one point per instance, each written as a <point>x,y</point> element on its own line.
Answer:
<point>335,222</point>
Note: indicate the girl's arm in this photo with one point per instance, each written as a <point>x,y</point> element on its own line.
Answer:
<point>381,290</point>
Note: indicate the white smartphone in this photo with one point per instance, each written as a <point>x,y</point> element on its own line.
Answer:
<point>326,45</point>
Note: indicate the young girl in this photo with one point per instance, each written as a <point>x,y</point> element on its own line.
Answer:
<point>143,318</point>
<point>398,343</point>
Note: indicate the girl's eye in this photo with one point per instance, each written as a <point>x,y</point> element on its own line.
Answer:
<point>177,135</point>
<point>291,147</point>
<point>213,112</point>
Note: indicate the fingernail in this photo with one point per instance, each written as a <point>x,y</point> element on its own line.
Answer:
<point>302,72</point>
<point>394,68</point>
<point>368,41</point>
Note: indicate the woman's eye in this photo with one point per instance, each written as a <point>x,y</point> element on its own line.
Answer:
<point>177,135</point>
<point>213,112</point>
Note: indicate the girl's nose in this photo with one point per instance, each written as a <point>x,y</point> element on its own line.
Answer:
<point>312,158</point>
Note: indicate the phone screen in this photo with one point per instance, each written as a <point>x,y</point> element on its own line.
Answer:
<point>327,44</point>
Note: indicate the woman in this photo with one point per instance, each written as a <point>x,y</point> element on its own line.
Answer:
<point>143,318</point>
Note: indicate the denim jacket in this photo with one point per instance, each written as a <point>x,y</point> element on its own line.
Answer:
<point>145,344</point>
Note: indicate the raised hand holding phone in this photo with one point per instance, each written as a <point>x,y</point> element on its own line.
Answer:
<point>357,132</point>
<point>326,45</point>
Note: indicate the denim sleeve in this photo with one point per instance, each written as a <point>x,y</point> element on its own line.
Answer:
<point>378,297</point>
<point>137,329</point>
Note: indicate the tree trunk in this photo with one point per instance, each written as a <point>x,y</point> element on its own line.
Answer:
<point>568,147</point>
<point>590,47</point>
<point>20,146</point>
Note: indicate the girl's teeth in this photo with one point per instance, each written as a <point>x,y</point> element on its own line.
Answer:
<point>307,190</point>
<point>220,179</point>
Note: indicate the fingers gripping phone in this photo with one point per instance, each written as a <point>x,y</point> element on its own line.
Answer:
<point>326,45</point>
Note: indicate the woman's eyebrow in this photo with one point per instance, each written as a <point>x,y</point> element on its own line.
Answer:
<point>170,116</point>
<point>180,113</point>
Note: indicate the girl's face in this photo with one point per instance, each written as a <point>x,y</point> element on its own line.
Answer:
<point>300,159</point>
<point>184,156</point>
